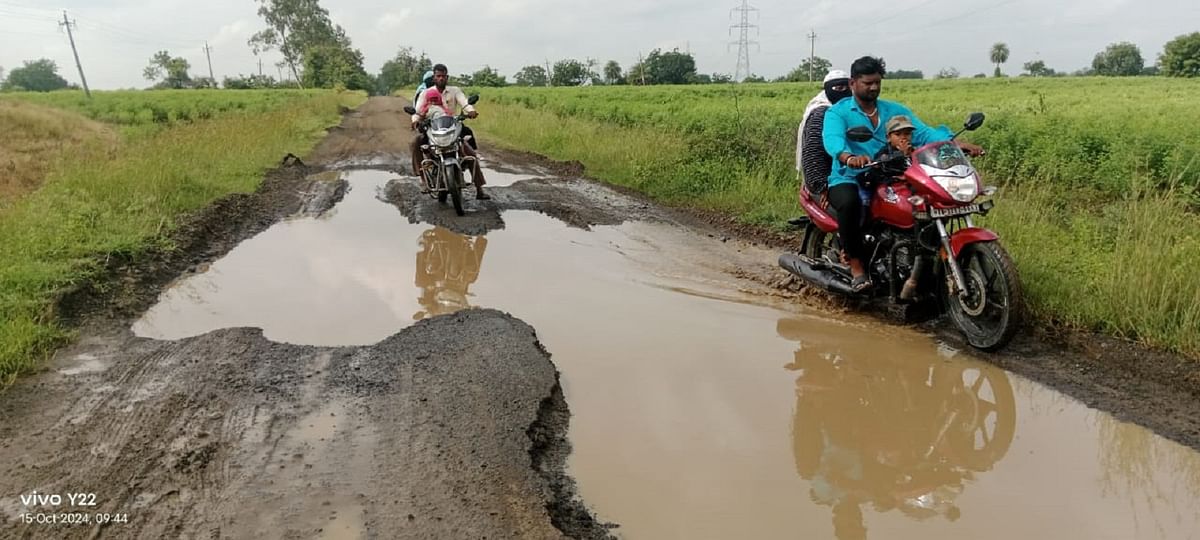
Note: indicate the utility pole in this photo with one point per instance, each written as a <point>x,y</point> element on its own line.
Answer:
<point>743,42</point>
<point>812,53</point>
<point>68,24</point>
<point>549,74</point>
<point>260,67</point>
<point>641,68</point>
<point>207,49</point>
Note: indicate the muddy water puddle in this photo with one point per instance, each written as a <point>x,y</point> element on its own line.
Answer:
<point>703,411</point>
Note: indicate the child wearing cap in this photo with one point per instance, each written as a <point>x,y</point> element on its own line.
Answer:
<point>899,136</point>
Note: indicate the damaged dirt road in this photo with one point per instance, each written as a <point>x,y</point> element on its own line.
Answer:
<point>331,357</point>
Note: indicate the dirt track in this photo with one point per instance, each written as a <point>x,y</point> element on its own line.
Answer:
<point>229,435</point>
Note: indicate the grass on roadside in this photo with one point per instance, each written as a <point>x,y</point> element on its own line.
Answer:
<point>33,138</point>
<point>125,200</point>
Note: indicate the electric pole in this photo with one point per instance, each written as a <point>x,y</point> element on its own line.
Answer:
<point>68,24</point>
<point>207,49</point>
<point>812,52</point>
<point>260,67</point>
<point>549,74</point>
<point>743,42</point>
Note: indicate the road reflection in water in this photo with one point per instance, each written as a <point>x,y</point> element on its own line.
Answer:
<point>896,433</point>
<point>447,264</point>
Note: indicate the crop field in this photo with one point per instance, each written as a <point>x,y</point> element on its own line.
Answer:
<point>137,107</point>
<point>1100,177</point>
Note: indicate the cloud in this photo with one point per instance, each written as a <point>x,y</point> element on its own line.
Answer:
<point>393,21</point>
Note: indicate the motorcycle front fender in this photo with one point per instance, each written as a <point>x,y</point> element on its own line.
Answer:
<point>970,235</point>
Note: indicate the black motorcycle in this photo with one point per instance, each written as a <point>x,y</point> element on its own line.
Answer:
<point>442,169</point>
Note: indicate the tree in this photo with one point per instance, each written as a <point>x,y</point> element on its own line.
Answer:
<point>638,74</point>
<point>948,73</point>
<point>906,74</point>
<point>332,65</point>
<point>403,71</point>
<point>671,67</point>
<point>1,76</point>
<point>249,83</point>
<point>297,28</point>
<point>612,73</point>
<point>35,76</point>
<point>569,72</point>
<point>754,78</point>
<point>531,76</point>
<point>173,71</point>
<point>488,77</point>
<point>1181,56</point>
<point>1037,68</point>
<point>820,67</point>
<point>999,56</point>
<point>1119,60</point>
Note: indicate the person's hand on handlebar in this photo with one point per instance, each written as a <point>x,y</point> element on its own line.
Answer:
<point>472,113</point>
<point>415,123</point>
<point>857,162</point>
<point>973,150</point>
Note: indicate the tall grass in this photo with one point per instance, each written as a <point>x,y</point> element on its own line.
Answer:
<point>1099,175</point>
<point>125,200</point>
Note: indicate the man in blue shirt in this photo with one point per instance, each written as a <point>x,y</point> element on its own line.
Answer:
<point>845,194</point>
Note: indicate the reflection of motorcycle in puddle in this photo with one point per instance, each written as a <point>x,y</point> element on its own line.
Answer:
<point>447,264</point>
<point>901,432</point>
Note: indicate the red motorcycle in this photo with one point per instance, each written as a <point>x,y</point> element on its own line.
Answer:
<point>924,246</point>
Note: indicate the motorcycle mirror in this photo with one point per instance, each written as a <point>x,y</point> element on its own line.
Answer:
<point>974,120</point>
<point>475,99</point>
<point>859,134</point>
<point>409,109</point>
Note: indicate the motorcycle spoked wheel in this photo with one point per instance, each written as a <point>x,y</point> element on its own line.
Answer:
<point>991,311</point>
<point>823,246</point>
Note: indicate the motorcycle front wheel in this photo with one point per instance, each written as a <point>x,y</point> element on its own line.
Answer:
<point>991,311</point>
<point>454,183</point>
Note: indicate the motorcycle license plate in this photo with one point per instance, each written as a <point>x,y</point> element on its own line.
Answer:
<point>960,211</point>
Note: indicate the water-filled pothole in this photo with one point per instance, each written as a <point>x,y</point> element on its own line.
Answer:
<point>703,411</point>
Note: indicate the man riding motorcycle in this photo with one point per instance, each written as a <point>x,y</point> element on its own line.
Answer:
<point>449,97</point>
<point>845,193</point>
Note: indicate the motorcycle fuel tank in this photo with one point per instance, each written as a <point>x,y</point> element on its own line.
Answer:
<point>890,205</point>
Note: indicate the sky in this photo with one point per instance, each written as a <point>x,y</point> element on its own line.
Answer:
<point>116,38</point>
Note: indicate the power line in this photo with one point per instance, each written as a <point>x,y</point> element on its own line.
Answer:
<point>743,42</point>
<point>66,23</point>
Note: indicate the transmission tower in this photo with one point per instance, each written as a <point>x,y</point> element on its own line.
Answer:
<point>743,42</point>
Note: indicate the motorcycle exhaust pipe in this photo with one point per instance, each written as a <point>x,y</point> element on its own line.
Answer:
<point>804,268</point>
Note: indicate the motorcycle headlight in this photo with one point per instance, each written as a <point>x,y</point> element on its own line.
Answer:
<point>961,188</point>
<point>442,139</point>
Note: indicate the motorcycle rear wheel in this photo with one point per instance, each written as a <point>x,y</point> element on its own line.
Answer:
<point>992,310</point>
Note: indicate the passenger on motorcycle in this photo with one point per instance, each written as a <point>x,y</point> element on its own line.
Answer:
<point>451,97</point>
<point>846,194</point>
<point>811,160</point>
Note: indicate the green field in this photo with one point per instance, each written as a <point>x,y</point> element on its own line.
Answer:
<point>125,195</point>
<point>1100,180</point>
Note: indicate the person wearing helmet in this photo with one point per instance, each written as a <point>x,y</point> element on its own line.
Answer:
<point>812,163</point>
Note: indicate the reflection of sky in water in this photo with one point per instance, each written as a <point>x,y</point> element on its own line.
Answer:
<point>700,418</point>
